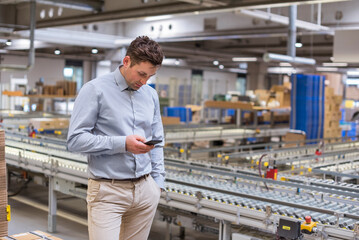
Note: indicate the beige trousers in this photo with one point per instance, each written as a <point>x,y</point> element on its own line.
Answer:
<point>121,210</point>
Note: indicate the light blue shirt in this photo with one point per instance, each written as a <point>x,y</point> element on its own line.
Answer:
<point>105,112</point>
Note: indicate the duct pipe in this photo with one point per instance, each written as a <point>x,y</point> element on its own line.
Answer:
<point>319,14</point>
<point>292,31</point>
<point>31,57</point>
<point>267,57</point>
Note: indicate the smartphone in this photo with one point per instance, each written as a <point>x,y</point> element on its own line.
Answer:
<point>153,142</point>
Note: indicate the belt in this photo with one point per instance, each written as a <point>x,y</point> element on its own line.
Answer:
<point>123,180</point>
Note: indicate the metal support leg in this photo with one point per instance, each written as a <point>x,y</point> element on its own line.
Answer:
<point>255,113</point>
<point>168,231</point>
<point>51,220</point>
<point>238,118</point>
<point>182,233</point>
<point>224,230</point>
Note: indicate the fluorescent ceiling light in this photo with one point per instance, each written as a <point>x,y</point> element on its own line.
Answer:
<point>173,62</point>
<point>215,62</point>
<point>298,45</point>
<point>8,42</point>
<point>353,73</point>
<point>285,64</point>
<point>244,59</point>
<point>157,18</point>
<point>329,64</point>
<point>352,81</point>
<point>57,52</point>
<point>221,66</point>
<point>237,70</point>
<point>282,70</point>
<point>327,69</point>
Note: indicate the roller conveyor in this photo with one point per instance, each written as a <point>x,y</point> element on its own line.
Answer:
<point>224,200</point>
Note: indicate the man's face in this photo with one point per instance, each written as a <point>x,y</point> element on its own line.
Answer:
<point>137,75</point>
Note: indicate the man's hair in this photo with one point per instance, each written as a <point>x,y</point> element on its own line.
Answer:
<point>144,49</point>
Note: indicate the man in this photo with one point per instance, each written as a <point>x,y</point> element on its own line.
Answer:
<point>112,118</point>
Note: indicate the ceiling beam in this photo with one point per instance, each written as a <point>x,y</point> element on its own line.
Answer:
<point>169,8</point>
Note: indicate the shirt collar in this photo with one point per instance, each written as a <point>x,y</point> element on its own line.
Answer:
<point>120,80</point>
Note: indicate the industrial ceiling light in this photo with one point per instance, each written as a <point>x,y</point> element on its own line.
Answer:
<point>244,59</point>
<point>334,64</point>
<point>298,44</point>
<point>157,18</point>
<point>8,42</point>
<point>94,51</point>
<point>221,66</point>
<point>57,51</point>
<point>177,62</point>
<point>215,62</point>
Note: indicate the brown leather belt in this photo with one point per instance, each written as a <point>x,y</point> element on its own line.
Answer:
<point>123,180</point>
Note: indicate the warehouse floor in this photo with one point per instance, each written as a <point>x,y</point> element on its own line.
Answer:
<point>29,213</point>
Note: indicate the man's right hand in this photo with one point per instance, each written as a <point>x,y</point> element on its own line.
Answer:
<point>135,144</point>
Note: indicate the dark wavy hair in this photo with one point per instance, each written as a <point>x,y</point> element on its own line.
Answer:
<point>144,49</point>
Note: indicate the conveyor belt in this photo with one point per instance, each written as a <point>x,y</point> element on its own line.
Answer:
<point>222,197</point>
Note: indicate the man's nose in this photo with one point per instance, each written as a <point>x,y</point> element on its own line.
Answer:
<point>143,81</point>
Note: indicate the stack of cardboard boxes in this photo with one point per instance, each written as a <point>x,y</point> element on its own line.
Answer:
<point>332,114</point>
<point>62,88</point>
<point>3,188</point>
<point>49,123</point>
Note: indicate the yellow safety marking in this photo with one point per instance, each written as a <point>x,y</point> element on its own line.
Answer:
<point>286,228</point>
<point>301,173</point>
<point>309,169</point>
<point>283,179</point>
<point>266,164</point>
<point>252,161</point>
<point>11,115</point>
<point>293,167</point>
<point>8,213</point>
<point>41,129</point>
<point>181,150</point>
<point>301,167</point>
<point>226,157</point>
<point>21,126</point>
<point>219,155</point>
<point>257,162</point>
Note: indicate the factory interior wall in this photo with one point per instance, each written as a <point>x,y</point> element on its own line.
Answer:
<point>51,69</point>
<point>218,83</point>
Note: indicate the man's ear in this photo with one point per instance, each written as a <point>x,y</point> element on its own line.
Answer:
<point>126,61</point>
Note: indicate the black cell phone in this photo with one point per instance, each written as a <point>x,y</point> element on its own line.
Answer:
<point>153,142</point>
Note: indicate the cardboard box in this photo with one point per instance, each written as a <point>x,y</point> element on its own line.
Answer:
<point>262,94</point>
<point>352,93</point>
<point>294,137</point>
<point>42,123</point>
<point>60,123</point>
<point>170,120</point>
<point>33,235</point>
<point>335,81</point>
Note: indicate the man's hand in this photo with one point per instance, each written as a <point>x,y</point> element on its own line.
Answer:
<point>135,144</point>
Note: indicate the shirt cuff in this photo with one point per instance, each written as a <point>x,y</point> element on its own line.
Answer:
<point>119,144</point>
<point>160,180</point>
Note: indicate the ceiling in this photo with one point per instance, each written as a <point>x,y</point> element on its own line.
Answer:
<point>191,32</point>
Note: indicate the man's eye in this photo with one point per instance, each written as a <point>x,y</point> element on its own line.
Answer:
<point>142,74</point>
